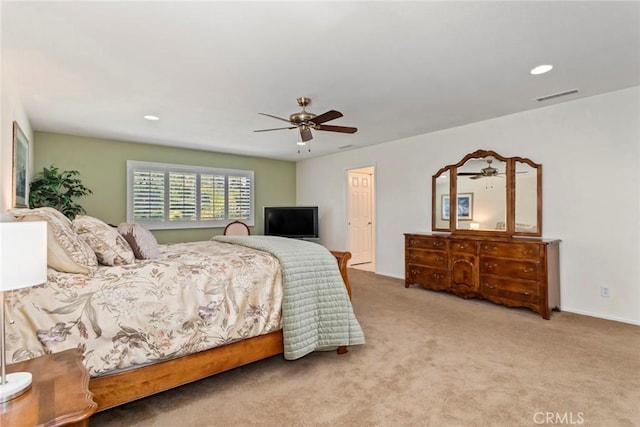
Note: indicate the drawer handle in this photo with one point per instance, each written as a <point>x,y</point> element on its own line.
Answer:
<point>528,270</point>
<point>490,248</point>
<point>490,266</point>
<point>462,245</point>
<point>438,244</point>
<point>439,259</point>
<point>490,286</point>
<point>437,276</point>
<point>525,293</point>
<point>527,252</point>
<point>414,273</point>
<point>412,256</point>
<point>412,242</point>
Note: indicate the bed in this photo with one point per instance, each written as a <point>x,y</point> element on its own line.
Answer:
<point>195,310</point>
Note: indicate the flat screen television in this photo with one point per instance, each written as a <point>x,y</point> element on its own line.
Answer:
<point>291,221</point>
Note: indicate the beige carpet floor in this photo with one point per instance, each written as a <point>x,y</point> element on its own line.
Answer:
<point>431,359</point>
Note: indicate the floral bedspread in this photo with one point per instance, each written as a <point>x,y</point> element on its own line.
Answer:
<point>197,296</point>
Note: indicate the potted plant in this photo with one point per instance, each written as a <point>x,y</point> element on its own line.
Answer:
<point>57,189</point>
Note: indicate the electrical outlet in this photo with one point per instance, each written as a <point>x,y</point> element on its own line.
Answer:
<point>605,292</point>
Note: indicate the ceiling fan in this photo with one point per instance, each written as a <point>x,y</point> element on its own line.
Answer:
<point>304,121</point>
<point>485,172</point>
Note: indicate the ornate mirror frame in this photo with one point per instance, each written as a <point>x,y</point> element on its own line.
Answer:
<point>522,197</point>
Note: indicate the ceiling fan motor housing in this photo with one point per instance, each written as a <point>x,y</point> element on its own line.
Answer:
<point>301,117</point>
<point>489,170</point>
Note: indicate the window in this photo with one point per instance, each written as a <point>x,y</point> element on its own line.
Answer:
<point>161,195</point>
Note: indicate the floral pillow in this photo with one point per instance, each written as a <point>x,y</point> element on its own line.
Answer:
<point>110,247</point>
<point>66,251</point>
<point>55,213</point>
<point>143,243</point>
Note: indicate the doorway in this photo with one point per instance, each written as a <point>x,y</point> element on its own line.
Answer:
<point>360,218</point>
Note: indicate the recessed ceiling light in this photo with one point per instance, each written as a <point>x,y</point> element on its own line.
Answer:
<point>541,69</point>
<point>150,117</point>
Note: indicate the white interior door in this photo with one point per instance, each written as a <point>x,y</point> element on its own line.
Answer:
<point>360,216</point>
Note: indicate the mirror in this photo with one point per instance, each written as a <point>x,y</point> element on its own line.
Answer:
<point>528,197</point>
<point>494,195</point>
<point>440,193</point>
<point>482,194</point>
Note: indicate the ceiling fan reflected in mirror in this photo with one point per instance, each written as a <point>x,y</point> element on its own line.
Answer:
<point>485,172</point>
<point>305,121</point>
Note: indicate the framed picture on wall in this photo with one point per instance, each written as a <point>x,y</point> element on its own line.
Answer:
<point>20,165</point>
<point>465,207</point>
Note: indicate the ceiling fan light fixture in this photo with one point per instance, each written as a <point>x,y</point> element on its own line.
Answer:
<point>301,143</point>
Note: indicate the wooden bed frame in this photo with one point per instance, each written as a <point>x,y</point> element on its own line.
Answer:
<point>122,387</point>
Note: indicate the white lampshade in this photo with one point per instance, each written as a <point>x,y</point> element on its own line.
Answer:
<point>23,263</point>
<point>23,254</point>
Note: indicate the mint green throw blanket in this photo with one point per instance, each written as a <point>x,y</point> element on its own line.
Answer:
<point>316,310</point>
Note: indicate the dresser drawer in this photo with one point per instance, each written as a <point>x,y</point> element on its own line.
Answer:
<point>464,246</point>
<point>428,258</point>
<point>426,243</point>
<point>511,249</point>
<point>430,278</point>
<point>518,269</point>
<point>508,290</point>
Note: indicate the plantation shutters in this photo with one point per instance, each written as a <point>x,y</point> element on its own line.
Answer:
<point>148,198</point>
<point>177,196</point>
<point>239,191</point>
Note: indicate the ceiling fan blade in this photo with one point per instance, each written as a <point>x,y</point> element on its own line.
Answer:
<point>325,117</point>
<point>477,177</point>
<point>305,133</point>
<point>267,130</point>
<point>469,173</point>
<point>342,129</point>
<point>275,117</point>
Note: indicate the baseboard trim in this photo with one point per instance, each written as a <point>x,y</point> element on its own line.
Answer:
<point>567,309</point>
<point>600,316</point>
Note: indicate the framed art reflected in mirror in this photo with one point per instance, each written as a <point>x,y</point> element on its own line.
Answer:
<point>20,165</point>
<point>465,207</point>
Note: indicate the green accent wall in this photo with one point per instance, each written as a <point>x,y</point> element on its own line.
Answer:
<point>102,164</point>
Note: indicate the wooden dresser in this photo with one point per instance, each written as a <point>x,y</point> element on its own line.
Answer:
<point>516,272</point>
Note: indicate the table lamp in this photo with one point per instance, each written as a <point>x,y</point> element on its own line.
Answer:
<point>23,263</point>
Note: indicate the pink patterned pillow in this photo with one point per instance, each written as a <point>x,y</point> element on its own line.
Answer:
<point>142,242</point>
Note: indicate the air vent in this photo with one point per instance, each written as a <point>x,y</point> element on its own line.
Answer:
<point>557,95</point>
<point>344,147</point>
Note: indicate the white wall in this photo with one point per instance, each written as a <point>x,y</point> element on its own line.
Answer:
<point>590,151</point>
<point>10,109</point>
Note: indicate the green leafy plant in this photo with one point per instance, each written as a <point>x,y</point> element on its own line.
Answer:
<point>57,189</point>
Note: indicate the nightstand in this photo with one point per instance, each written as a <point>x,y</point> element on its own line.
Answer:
<point>59,393</point>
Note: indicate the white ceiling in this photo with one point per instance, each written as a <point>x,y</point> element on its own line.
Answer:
<point>394,69</point>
